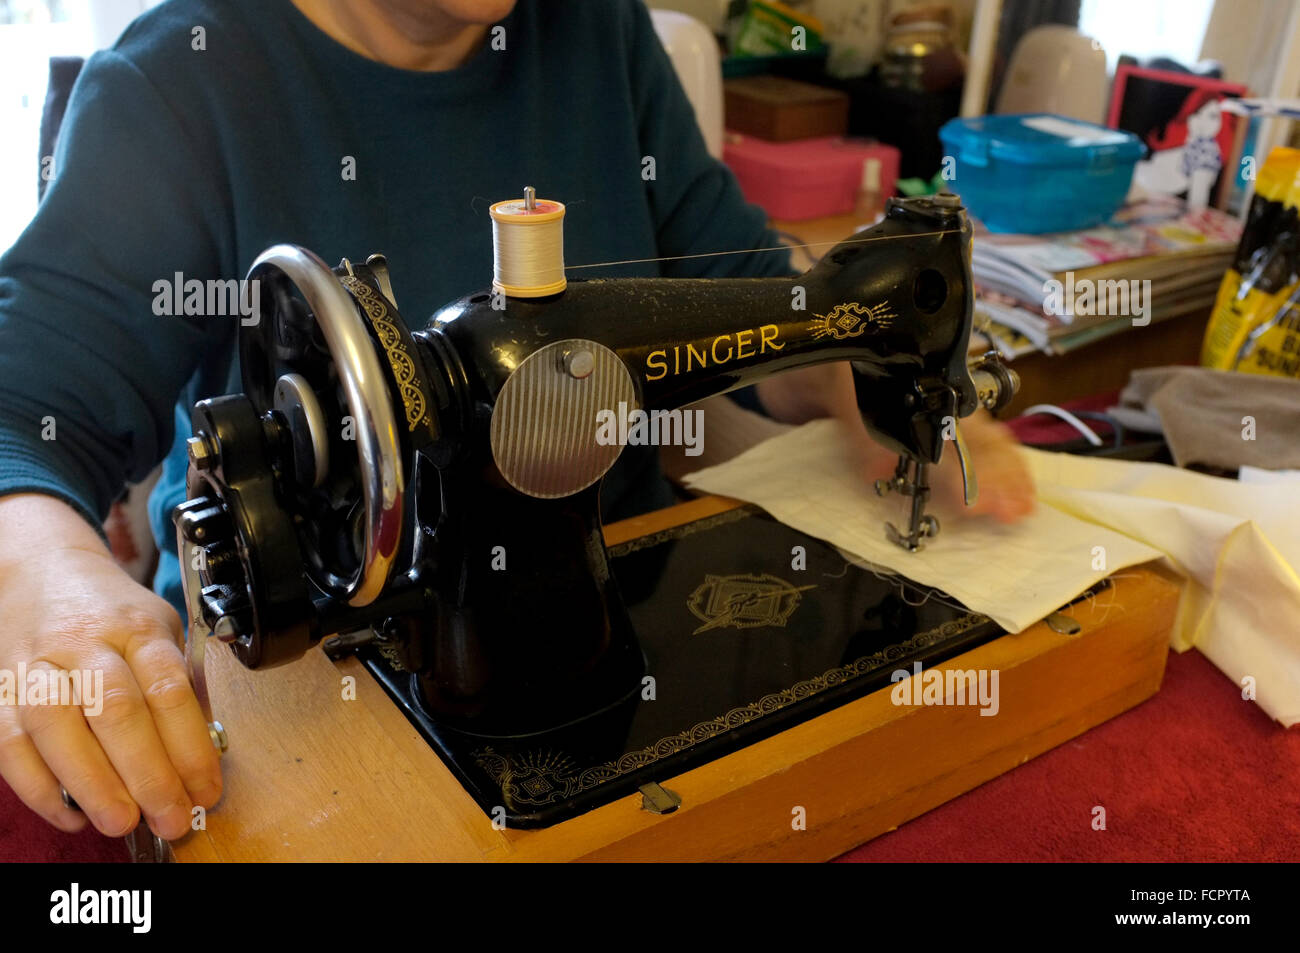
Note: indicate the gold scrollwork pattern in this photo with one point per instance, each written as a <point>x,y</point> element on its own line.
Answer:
<point>851,319</point>
<point>538,778</point>
<point>685,529</point>
<point>408,384</point>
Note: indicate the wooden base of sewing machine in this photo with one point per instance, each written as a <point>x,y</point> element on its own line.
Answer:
<point>311,776</point>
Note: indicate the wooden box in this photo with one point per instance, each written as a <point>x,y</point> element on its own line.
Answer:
<point>780,110</point>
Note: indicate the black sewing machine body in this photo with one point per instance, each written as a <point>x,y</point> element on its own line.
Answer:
<point>459,536</point>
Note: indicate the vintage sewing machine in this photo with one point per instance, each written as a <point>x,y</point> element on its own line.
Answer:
<point>427,494</point>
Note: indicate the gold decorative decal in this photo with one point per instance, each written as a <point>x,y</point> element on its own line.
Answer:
<point>683,529</point>
<point>683,358</point>
<point>537,779</point>
<point>850,319</point>
<point>391,340</point>
<point>744,601</point>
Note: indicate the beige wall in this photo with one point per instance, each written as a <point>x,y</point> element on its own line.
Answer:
<point>1246,36</point>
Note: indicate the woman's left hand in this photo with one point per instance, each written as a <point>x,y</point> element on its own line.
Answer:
<point>1006,490</point>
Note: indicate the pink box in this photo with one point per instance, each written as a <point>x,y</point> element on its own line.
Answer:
<point>809,178</point>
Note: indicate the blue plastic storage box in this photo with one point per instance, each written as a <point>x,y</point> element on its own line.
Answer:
<point>1039,173</point>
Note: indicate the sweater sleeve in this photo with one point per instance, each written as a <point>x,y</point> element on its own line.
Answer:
<point>89,371</point>
<point>697,204</point>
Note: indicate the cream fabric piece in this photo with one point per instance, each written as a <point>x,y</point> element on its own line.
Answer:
<point>1015,574</point>
<point>1238,545</point>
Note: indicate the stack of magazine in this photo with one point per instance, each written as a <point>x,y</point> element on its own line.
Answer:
<point>1154,260</point>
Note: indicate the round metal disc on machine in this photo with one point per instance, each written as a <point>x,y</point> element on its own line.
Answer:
<point>546,421</point>
<point>294,396</point>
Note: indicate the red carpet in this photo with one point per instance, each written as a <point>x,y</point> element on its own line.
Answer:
<point>25,837</point>
<point>1194,774</point>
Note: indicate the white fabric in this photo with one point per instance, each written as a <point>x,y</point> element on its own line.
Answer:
<point>1238,545</point>
<point>1257,475</point>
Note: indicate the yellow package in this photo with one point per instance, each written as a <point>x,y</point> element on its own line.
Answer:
<point>1244,305</point>
<point>1259,283</point>
<point>1272,346</point>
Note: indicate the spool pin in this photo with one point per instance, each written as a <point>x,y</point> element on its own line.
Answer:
<point>528,246</point>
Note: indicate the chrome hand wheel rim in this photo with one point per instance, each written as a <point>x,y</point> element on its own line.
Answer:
<point>365,388</point>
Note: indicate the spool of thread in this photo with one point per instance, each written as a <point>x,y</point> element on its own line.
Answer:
<point>528,246</point>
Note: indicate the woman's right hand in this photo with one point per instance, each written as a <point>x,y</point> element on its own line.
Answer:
<point>136,740</point>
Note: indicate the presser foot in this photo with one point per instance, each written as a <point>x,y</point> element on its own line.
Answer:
<point>910,479</point>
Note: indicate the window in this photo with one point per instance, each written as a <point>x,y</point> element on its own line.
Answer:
<point>1172,28</point>
<point>32,31</point>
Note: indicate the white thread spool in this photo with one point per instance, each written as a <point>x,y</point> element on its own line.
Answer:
<point>528,246</point>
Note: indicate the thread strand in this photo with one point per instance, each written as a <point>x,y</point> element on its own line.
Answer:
<point>751,251</point>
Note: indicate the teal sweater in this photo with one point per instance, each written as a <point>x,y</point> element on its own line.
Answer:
<point>179,159</point>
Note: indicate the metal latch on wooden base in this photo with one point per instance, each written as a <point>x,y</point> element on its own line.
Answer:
<point>659,800</point>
